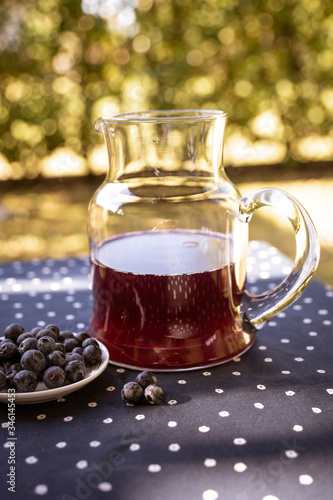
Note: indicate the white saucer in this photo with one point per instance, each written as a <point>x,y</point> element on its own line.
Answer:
<point>42,394</point>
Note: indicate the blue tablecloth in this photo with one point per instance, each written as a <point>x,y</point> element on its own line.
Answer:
<point>257,428</point>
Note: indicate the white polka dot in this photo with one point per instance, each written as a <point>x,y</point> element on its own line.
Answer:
<point>105,486</point>
<point>268,360</point>
<point>270,497</point>
<point>172,424</point>
<point>261,387</point>
<point>82,464</point>
<point>41,416</point>
<point>134,447</point>
<point>237,360</point>
<point>285,341</point>
<point>316,410</point>
<point>55,286</point>
<point>240,467</point>
<point>172,402</point>
<point>219,391</point>
<point>154,468</point>
<point>182,382</point>
<point>291,454</point>
<point>272,323</point>
<point>107,420</point>
<point>94,444</point>
<point>327,322</point>
<point>68,419</point>
<point>262,254</point>
<point>329,391</point>
<point>260,406</point>
<point>41,489</point>
<point>262,348</point>
<point>239,441</point>
<point>310,348</point>
<point>224,414</point>
<point>31,460</point>
<point>308,300</point>
<point>206,374</point>
<point>61,444</point>
<point>285,372</point>
<point>273,251</point>
<point>323,312</point>
<point>210,495</point>
<point>210,462</point>
<point>321,371</point>
<point>8,443</point>
<point>174,447</point>
<point>297,428</point>
<point>204,428</point>
<point>281,315</point>
<point>299,360</point>
<point>92,405</point>
<point>313,334</point>
<point>297,307</point>
<point>140,417</point>
<point>305,479</point>
<point>111,388</point>
<point>290,393</point>
<point>237,374</point>
<point>120,370</point>
<point>307,321</point>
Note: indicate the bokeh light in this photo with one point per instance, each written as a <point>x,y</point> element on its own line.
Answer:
<point>64,63</point>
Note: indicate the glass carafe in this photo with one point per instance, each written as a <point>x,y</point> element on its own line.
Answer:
<point>168,237</point>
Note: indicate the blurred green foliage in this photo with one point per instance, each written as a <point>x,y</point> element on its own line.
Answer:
<point>267,63</point>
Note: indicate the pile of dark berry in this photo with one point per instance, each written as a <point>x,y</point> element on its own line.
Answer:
<point>143,389</point>
<point>45,354</point>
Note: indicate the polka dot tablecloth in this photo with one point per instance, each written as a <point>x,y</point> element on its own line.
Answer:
<point>257,428</point>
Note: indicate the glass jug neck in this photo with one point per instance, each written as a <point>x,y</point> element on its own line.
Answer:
<point>157,144</point>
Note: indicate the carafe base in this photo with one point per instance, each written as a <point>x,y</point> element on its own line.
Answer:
<point>183,359</point>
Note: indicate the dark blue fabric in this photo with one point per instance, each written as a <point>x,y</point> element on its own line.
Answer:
<point>256,428</point>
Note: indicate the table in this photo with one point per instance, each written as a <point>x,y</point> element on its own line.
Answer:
<point>257,428</point>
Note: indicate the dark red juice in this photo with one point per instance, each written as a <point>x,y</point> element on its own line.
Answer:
<point>167,300</point>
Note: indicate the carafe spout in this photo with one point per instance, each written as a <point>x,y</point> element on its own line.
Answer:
<point>100,125</point>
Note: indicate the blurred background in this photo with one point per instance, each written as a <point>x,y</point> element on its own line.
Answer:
<point>64,63</point>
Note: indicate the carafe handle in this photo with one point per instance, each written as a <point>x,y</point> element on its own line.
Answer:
<point>261,307</point>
